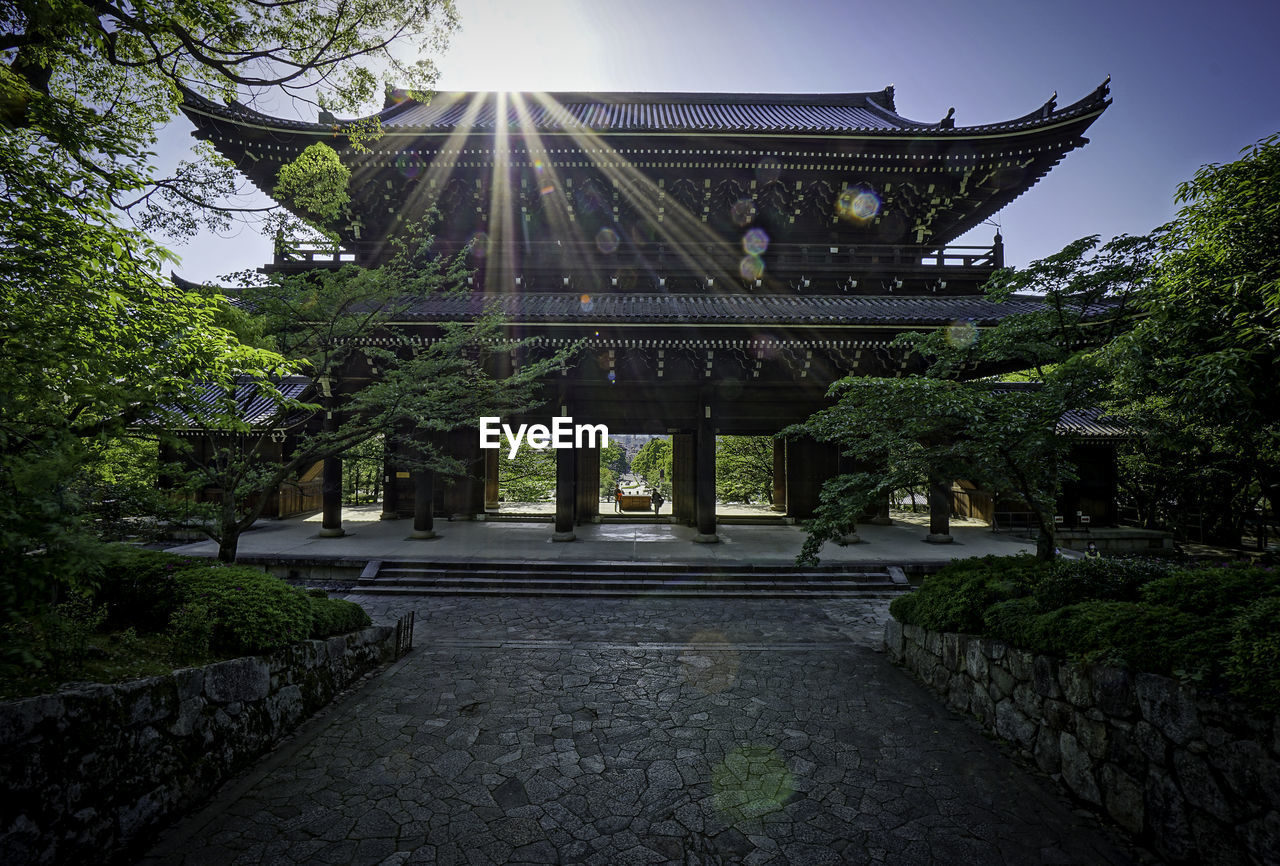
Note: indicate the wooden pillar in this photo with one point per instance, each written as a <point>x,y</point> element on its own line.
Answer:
<point>491,479</point>
<point>809,464</point>
<point>779,476</point>
<point>683,477</point>
<point>390,489</point>
<point>587,475</point>
<point>423,500</point>
<point>705,481</point>
<point>939,510</point>
<point>566,493</point>
<point>881,513</point>
<point>465,498</point>
<point>331,499</point>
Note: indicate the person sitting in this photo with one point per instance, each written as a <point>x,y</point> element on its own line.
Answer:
<point>1091,551</point>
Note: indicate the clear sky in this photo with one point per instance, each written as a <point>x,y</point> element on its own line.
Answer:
<point>1193,82</point>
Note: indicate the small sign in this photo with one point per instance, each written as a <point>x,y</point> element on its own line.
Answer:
<point>1057,518</point>
<point>402,474</point>
<point>1084,518</point>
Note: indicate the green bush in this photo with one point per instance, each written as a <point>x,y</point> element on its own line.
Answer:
<point>1253,663</point>
<point>190,632</point>
<point>956,598</point>
<point>1073,580</point>
<point>67,629</point>
<point>330,616</point>
<point>252,612</point>
<point>138,586</point>
<point>1212,591</point>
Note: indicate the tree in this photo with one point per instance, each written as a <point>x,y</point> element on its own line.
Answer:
<point>653,463</point>
<point>1202,360</point>
<point>744,468</point>
<point>338,327</point>
<point>529,477</point>
<point>998,432</point>
<point>613,465</point>
<point>94,336</point>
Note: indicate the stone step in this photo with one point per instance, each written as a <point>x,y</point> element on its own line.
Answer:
<point>656,591</point>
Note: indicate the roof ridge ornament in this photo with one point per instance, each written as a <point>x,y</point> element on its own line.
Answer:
<point>948,122</point>
<point>1048,107</point>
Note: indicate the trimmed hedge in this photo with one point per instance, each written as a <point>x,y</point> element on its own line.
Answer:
<point>253,612</point>
<point>1218,626</point>
<point>138,585</point>
<point>330,616</point>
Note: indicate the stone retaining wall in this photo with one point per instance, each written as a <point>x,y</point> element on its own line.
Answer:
<point>93,771</point>
<point>1196,778</point>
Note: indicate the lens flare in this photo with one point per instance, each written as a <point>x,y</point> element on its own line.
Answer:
<point>751,267</point>
<point>479,246</point>
<point>857,205</point>
<point>743,211</point>
<point>755,242</point>
<point>710,663</point>
<point>606,240</point>
<point>586,303</point>
<point>398,95</point>
<point>545,186</point>
<point>751,782</point>
<point>962,333</point>
<point>407,167</point>
<point>768,170</point>
<point>613,377</point>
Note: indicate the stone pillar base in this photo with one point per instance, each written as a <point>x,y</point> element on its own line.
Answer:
<point>563,536</point>
<point>938,538</point>
<point>334,532</point>
<point>849,538</point>
<point>423,534</point>
<point>462,516</point>
<point>388,515</point>
<point>881,521</point>
<point>706,538</point>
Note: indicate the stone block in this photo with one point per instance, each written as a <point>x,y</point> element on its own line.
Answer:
<point>933,643</point>
<point>1075,685</point>
<point>974,661</point>
<point>1020,664</point>
<point>1152,743</point>
<point>1261,837</point>
<point>189,682</point>
<point>1123,750</point>
<point>1059,716</point>
<point>958,692</point>
<point>1122,798</point>
<point>1167,819</point>
<point>20,719</point>
<point>893,640</point>
<point>981,704</point>
<point>1028,702</point>
<point>950,651</point>
<point>1044,677</point>
<point>1168,706</point>
<point>1002,682</point>
<point>1014,726</point>
<point>245,679</point>
<point>1092,735</point>
<point>1199,786</point>
<point>1112,692</point>
<point>144,702</point>
<point>1047,753</point>
<point>1250,776</point>
<point>1077,770</point>
<point>994,649</point>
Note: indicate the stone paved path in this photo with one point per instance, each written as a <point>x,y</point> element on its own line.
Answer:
<point>639,731</point>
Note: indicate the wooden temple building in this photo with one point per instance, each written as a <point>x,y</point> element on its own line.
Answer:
<point>724,256</point>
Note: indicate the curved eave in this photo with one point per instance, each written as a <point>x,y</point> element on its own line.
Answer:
<point>202,111</point>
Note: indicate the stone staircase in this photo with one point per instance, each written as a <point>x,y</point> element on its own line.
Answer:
<point>628,579</point>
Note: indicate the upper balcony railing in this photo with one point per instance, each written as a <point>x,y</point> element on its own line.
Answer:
<point>546,264</point>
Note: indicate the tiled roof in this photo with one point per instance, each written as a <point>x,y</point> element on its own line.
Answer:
<point>725,309</point>
<point>747,113</point>
<point>650,111</point>
<point>253,408</point>
<point>1092,424</point>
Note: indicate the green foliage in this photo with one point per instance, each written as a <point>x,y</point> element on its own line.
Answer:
<point>956,598</point>
<point>1254,661</point>
<point>252,611</point>
<point>1001,436</point>
<point>613,464</point>
<point>315,184</point>
<point>1072,580</point>
<point>330,616</point>
<point>530,477</point>
<point>67,630</point>
<point>138,585</point>
<point>190,632</point>
<point>744,468</point>
<point>1140,614</point>
<point>653,463</point>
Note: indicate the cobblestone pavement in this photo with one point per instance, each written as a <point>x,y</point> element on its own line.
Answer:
<point>639,731</point>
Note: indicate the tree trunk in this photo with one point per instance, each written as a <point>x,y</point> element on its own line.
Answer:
<point>228,530</point>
